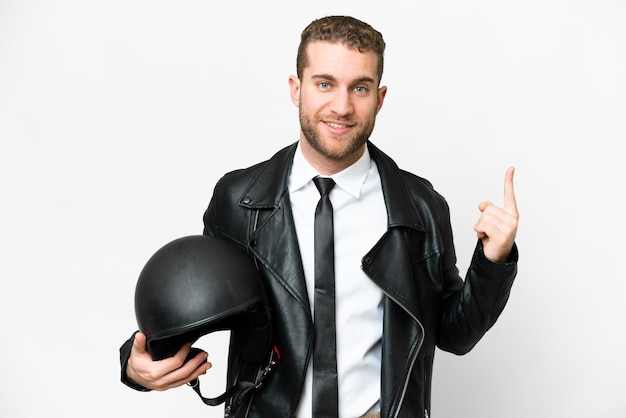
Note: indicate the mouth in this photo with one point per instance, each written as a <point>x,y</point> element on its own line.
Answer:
<point>338,127</point>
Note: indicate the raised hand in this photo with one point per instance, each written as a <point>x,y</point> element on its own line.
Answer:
<point>497,226</point>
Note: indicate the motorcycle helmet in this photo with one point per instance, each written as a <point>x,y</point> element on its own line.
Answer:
<point>199,284</point>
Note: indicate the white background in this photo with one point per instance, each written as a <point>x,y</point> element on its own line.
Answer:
<point>118,117</point>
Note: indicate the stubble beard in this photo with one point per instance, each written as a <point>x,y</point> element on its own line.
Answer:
<point>351,144</point>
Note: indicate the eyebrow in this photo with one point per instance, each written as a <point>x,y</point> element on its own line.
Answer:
<point>359,80</point>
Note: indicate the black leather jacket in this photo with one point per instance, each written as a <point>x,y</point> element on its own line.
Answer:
<point>426,304</point>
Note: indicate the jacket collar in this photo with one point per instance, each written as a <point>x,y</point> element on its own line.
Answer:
<point>267,189</point>
<point>401,210</point>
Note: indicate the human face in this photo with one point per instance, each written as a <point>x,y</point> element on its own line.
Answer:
<point>338,99</point>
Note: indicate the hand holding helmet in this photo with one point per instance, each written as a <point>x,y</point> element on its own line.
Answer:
<point>167,373</point>
<point>191,287</point>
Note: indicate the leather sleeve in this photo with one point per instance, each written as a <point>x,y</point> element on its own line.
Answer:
<point>124,355</point>
<point>470,311</point>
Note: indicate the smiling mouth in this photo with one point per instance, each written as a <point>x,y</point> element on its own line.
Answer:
<point>338,125</point>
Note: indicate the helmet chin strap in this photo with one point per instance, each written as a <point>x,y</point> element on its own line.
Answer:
<point>239,390</point>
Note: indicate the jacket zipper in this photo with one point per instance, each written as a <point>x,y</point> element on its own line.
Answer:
<point>254,226</point>
<point>406,381</point>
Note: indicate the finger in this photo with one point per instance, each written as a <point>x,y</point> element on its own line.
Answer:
<point>192,369</point>
<point>188,366</point>
<point>199,364</point>
<point>510,204</point>
<point>189,378</point>
<point>201,359</point>
<point>182,353</point>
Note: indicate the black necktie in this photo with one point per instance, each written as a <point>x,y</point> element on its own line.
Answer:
<point>325,391</point>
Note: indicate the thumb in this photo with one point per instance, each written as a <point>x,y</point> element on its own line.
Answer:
<point>484,205</point>
<point>139,344</point>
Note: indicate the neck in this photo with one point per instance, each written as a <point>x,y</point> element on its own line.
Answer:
<point>329,165</point>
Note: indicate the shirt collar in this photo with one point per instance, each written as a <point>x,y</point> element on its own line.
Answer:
<point>350,179</point>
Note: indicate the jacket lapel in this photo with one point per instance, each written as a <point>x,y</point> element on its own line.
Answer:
<point>401,214</point>
<point>273,233</point>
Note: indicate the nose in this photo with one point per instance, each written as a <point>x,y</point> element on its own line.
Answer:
<point>341,103</point>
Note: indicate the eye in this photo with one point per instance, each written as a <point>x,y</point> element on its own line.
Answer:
<point>323,85</point>
<point>360,89</point>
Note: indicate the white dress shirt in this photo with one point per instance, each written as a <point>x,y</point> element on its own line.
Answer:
<point>360,220</point>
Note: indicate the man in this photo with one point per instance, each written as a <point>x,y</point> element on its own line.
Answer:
<point>398,291</point>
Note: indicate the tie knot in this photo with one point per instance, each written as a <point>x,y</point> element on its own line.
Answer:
<point>324,185</point>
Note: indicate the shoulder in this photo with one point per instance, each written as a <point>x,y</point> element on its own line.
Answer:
<point>268,173</point>
<point>417,186</point>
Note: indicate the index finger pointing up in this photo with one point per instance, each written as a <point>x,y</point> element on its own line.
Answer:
<point>510,204</point>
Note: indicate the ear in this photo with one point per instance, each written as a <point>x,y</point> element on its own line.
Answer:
<point>294,90</point>
<point>382,92</point>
